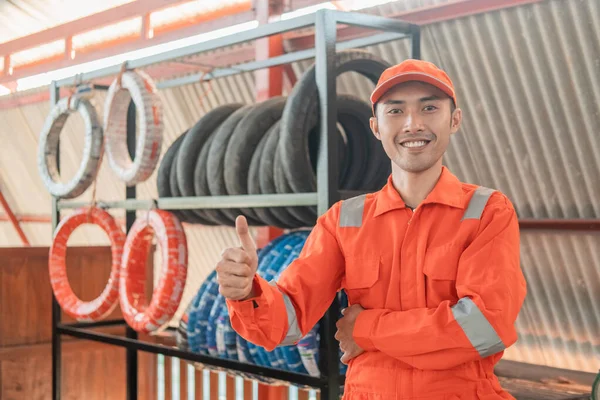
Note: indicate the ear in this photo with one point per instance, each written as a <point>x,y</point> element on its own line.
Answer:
<point>375,127</point>
<point>455,120</point>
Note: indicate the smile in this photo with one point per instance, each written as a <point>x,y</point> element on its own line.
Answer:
<point>415,144</point>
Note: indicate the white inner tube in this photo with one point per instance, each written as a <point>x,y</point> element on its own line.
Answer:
<point>136,86</point>
<point>48,148</point>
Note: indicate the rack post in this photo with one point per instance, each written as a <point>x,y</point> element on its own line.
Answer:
<point>130,193</point>
<point>327,180</point>
<point>415,42</point>
<point>56,311</point>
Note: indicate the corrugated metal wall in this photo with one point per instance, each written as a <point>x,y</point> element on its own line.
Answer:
<point>527,82</point>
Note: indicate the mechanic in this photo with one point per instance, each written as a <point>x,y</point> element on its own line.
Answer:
<point>430,264</point>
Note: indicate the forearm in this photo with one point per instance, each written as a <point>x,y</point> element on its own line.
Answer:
<point>436,338</point>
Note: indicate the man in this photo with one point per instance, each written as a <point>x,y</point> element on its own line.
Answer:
<point>430,264</point>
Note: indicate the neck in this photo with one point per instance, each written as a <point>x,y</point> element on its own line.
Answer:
<point>414,187</point>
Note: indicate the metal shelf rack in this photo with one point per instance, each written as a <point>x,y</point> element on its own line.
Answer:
<point>325,23</point>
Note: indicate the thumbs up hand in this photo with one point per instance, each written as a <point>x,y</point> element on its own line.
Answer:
<point>236,269</point>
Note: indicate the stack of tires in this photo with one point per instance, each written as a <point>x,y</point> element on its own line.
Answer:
<point>205,327</point>
<point>272,147</point>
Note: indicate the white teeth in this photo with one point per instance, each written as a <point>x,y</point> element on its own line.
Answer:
<point>414,144</point>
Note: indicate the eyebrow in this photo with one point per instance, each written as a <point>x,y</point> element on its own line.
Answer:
<point>421,100</point>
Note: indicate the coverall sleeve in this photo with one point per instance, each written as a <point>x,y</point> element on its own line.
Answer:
<point>491,290</point>
<point>283,313</point>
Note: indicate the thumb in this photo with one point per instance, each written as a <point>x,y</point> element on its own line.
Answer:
<point>241,227</point>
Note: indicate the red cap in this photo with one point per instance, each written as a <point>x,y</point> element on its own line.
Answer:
<point>413,70</point>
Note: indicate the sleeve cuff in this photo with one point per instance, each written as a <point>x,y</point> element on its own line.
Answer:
<point>362,329</point>
<point>245,308</point>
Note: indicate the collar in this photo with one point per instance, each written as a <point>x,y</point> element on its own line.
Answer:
<point>448,191</point>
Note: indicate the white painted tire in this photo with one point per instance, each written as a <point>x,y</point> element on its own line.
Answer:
<point>48,148</point>
<point>136,86</point>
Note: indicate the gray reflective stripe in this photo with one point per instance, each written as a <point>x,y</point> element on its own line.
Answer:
<point>477,203</point>
<point>293,334</point>
<point>481,333</point>
<point>351,213</point>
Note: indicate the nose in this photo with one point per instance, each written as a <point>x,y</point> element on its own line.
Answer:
<point>413,123</point>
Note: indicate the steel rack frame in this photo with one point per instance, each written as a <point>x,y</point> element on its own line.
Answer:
<point>325,23</point>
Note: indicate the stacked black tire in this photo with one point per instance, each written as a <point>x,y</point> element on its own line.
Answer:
<point>272,147</point>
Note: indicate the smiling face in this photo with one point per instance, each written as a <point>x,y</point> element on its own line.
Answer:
<point>414,121</point>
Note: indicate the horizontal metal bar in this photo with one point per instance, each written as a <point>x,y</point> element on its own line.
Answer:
<point>301,379</point>
<point>370,21</point>
<point>225,41</point>
<point>205,202</point>
<point>279,60</point>
<point>132,204</point>
<point>96,324</point>
<point>560,224</point>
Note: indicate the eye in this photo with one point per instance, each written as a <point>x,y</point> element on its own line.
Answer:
<point>394,111</point>
<point>430,108</point>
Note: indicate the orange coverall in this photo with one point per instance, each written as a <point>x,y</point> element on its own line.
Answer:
<point>442,287</point>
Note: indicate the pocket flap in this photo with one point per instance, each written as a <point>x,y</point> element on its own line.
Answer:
<point>362,271</point>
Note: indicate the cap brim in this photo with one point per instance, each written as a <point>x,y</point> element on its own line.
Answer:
<point>409,77</point>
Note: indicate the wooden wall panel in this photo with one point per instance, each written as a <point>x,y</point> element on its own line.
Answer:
<point>91,371</point>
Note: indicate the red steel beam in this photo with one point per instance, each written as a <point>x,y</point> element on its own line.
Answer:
<point>91,22</point>
<point>131,45</point>
<point>13,220</point>
<point>29,218</point>
<point>560,224</point>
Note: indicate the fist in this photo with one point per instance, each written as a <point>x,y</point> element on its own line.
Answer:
<point>235,271</point>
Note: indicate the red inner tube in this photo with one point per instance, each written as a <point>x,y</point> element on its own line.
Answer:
<point>140,315</point>
<point>103,305</point>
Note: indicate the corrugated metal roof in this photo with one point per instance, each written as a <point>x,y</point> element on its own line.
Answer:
<point>20,18</point>
<point>526,81</point>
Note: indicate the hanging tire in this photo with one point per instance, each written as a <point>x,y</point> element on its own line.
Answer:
<point>302,112</point>
<point>142,317</point>
<point>105,303</point>
<point>48,148</point>
<point>136,86</point>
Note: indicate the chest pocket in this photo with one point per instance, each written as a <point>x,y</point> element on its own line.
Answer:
<point>362,278</point>
<point>440,269</point>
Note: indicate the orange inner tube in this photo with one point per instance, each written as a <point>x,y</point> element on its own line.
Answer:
<point>138,314</point>
<point>103,305</point>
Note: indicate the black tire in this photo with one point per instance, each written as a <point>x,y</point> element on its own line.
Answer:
<point>265,214</point>
<point>215,164</point>
<point>186,215</point>
<point>243,143</point>
<point>307,215</point>
<point>301,113</point>
<point>368,159</point>
<point>193,143</point>
<point>164,169</point>
<point>267,177</point>
<point>201,187</point>
<point>163,175</point>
